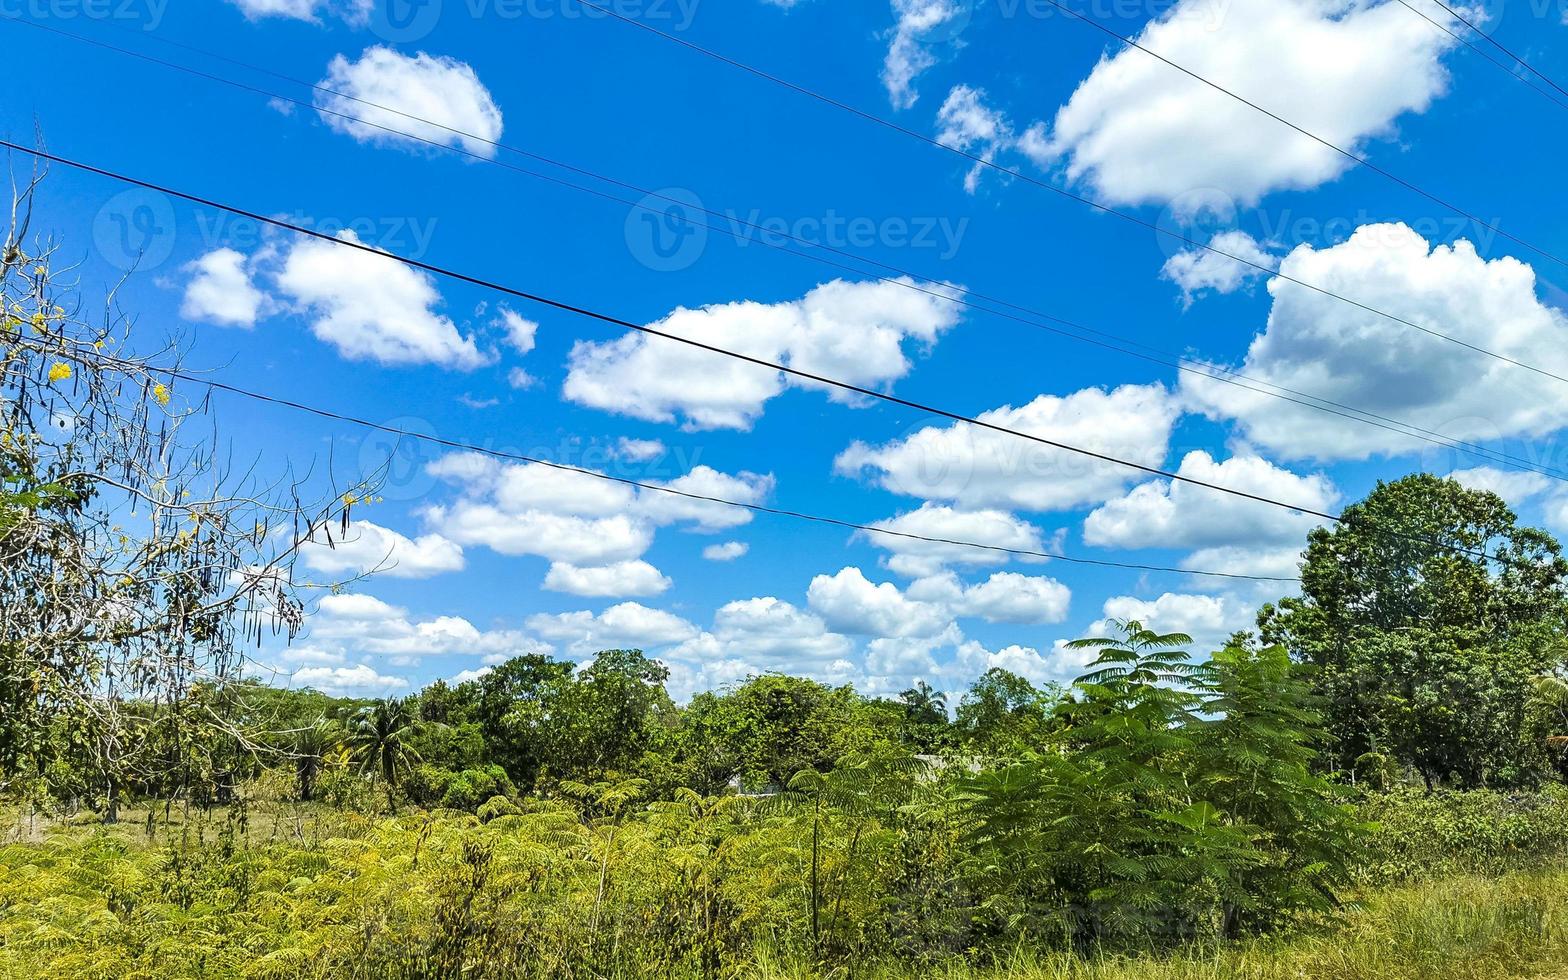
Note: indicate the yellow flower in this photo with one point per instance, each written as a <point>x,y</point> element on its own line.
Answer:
<point>161,393</point>
<point>59,372</point>
<point>349,500</point>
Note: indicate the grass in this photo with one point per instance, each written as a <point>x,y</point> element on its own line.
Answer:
<point>1458,927</point>
<point>1467,928</point>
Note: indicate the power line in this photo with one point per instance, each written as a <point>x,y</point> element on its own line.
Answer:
<point>92,359</point>
<point>1494,42</point>
<point>1179,362</point>
<point>1342,151</point>
<point>1015,173</point>
<point>1478,50</point>
<point>644,329</point>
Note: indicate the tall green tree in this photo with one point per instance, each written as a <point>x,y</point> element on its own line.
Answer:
<point>1004,714</point>
<point>378,736</point>
<point>1423,652</point>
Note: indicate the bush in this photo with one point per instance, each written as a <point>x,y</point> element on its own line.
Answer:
<point>497,806</point>
<point>1447,832</point>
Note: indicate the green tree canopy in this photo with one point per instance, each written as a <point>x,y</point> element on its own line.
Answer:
<point>1424,653</point>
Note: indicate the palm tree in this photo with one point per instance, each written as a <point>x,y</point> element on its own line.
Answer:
<point>309,748</point>
<point>924,704</point>
<point>378,740</point>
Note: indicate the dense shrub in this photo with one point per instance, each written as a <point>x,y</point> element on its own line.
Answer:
<point>1426,835</point>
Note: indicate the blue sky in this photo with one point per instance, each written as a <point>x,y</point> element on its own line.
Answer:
<point>488,560</point>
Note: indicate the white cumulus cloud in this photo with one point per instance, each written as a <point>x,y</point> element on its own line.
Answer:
<point>1136,130</point>
<point>626,578</point>
<point>368,547</point>
<point>1332,350</point>
<point>372,307</point>
<point>977,468</point>
<point>220,290</point>
<point>852,332</point>
<point>428,92</point>
<point>1198,271</point>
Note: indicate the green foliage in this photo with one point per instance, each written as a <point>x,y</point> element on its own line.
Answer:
<point>1432,835</point>
<point>1426,655</point>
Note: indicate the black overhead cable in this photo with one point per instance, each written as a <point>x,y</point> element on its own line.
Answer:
<point>1478,50</point>
<point>1179,362</point>
<point>1494,42</point>
<point>1347,154</point>
<point>651,331</point>
<point>1017,174</point>
<point>98,359</point>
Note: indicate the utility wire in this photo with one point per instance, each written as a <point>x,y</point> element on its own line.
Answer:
<point>1342,151</point>
<point>820,379</point>
<point>1511,73</point>
<point>1017,174</point>
<point>1494,42</point>
<point>98,359</point>
<point>943,291</point>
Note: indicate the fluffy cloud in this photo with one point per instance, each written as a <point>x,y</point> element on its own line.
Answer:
<point>728,551</point>
<point>1208,619</point>
<point>620,579</point>
<point>353,11</point>
<point>520,331</point>
<point>704,481</point>
<point>921,24</point>
<point>371,307</point>
<point>853,332</point>
<point>639,450</point>
<point>595,531</point>
<point>1136,130</point>
<point>979,468</point>
<point>849,603</point>
<point>369,547</point>
<point>1314,343</point>
<point>359,680</point>
<point>220,291</point>
<point>1172,514</point>
<point>917,558</point>
<point>1061,666</point>
<point>363,623</point>
<point>770,632</point>
<point>627,625</point>
<point>1514,486</point>
<point>439,90</point>
<point>1005,597</point>
<point>1197,271</point>
<point>965,121</point>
